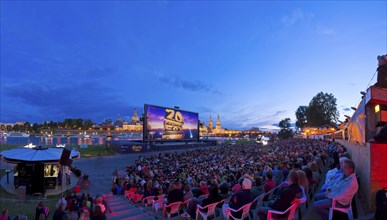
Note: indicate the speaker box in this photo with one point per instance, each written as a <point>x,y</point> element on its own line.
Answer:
<point>64,158</point>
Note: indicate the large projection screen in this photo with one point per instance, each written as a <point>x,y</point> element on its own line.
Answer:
<point>170,124</point>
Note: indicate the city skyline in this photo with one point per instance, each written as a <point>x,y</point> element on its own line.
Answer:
<point>253,63</point>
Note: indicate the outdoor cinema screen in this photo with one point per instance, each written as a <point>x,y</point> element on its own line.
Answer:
<point>170,124</point>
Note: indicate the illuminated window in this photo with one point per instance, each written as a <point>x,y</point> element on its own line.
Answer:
<point>377,108</point>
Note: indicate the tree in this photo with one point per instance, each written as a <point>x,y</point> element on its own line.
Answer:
<point>322,110</point>
<point>285,132</point>
<point>87,124</point>
<point>301,116</point>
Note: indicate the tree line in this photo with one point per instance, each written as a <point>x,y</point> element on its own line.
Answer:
<point>68,123</point>
<point>321,111</point>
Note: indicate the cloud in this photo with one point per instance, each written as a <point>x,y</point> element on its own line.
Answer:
<point>193,86</point>
<point>325,31</point>
<point>279,113</point>
<point>293,18</point>
<point>88,99</point>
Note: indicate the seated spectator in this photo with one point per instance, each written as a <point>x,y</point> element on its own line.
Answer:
<point>4,215</point>
<point>187,193</point>
<point>105,203</point>
<point>100,205</point>
<point>213,197</point>
<point>336,176</point>
<point>61,201</point>
<point>342,191</point>
<point>236,188</point>
<point>99,214</point>
<point>284,201</point>
<point>239,199</point>
<point>59,213</point>
<point>84,212</point>
<point>270,184</point>
<point>224,191</point>
<point>303,180</point>
<point>149,191</point>
<point>174,194</point>
<point>277,175</point>
<point>40,209</point>
<point>74,205</point>
<point>309,176</point>
<point>203,189</point>
<point>257,189</point>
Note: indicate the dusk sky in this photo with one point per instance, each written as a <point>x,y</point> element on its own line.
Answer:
<point>253,63</point>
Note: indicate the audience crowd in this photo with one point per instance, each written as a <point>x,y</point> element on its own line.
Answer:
<point>237,174</point>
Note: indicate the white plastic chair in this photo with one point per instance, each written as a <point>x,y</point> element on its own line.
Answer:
<point>186,203</point>
<point>347,210</point>
<point>147,200</point>
<point>245,212</point>
<point>156,204</point>
<point>259,201</point>
<point>175,207</point>
<point>301,209</point>
<point>210,210</point>
<point>291,210</point>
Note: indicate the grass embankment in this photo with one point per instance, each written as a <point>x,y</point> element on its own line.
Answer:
<point>8,146</point>
<point>90,151</point>
<point>24,207</point>
<point>96,151</point>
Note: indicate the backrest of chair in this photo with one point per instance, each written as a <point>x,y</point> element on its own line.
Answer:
<point>211,209</point>
<point>162,196</point>
<point>245,210</point>
<point>304,197</point>
<point>174,207</point>
<point>186,202</point>
<point>148,199</point>
<point>292,211</point>
<point>220,203</point>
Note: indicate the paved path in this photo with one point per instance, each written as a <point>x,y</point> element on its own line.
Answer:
<point>122,209</point>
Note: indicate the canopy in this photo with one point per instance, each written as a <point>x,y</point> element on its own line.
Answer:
<point>37,154</point>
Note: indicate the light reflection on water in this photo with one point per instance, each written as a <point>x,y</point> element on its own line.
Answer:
<point>56,140</point>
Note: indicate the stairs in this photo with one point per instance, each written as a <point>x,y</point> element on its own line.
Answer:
<point>123,210</point>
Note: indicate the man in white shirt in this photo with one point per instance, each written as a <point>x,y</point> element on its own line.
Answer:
<point>342,191</point>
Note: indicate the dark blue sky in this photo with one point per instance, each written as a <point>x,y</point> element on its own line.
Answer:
<point>253,63</point>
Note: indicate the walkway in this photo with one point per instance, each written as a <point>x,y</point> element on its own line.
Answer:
<point>122,209</point>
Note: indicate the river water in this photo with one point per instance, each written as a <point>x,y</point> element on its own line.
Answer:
<point>44,141</point>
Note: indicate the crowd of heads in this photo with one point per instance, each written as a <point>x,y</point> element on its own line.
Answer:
<point>227,166</point>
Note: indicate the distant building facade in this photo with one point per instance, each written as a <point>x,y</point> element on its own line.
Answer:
<point>218,130</point>
<point>135,123</point>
